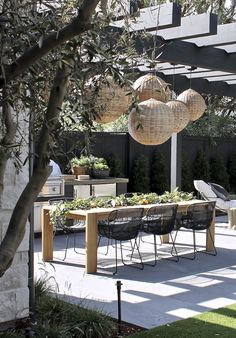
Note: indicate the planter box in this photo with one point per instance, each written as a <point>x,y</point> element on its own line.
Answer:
<point>100,173</point>
<point>80,170</point>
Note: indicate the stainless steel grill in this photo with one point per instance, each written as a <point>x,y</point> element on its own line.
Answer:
<point>53,187</point>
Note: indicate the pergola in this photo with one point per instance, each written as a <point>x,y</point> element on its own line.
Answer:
<point>192,51</point>
<point>193,48</point>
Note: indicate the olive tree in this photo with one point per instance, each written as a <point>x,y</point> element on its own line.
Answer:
<point>48,50</point>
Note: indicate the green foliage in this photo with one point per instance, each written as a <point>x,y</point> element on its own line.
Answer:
<point>114,164</point>
<point>119,125</point>
<point>201,169</point>
<point>90,162</point>
<point>175,196</point>
<point>58,318</point>
<point>159,182</point>
<point>140,180</point>
<point>186,179</point>
<point>232,172</point>
<point>60,210</point>
<point>100,166</point>
<point>212,125</point>
<point>218,171</point>
<point>216,323</point>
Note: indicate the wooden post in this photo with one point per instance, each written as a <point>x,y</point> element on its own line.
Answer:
<point>47,236</point>
<point>91,243</point>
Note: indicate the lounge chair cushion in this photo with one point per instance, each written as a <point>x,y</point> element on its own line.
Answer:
<point>220,191</point>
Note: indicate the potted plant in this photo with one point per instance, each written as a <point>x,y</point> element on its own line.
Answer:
<point>80,166</point>
<point>100,169</point>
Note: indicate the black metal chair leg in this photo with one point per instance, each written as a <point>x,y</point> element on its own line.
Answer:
<point>173,249</point>
<point>155,253</point>
<point>140,257</point>
<point>67,242</point>
<point>114,273</point>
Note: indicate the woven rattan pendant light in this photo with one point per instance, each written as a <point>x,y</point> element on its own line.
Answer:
<point>181,114</point>
<point>151,123</point>
<point>195,103</point>
<point>151,86</point>
<point>112,101</point>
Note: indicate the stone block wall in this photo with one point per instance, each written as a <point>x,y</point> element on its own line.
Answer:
<point>14,292</point>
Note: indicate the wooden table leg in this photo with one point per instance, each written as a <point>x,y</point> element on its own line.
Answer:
<point>91,243</point>
<point>211,230</point>
<point>47,237</point>
<point>165,238</point>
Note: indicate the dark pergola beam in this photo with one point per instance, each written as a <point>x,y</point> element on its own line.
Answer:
<point>191,26</point>
<point>226,35</point>
<point>186,53</point>
<point>149,18</point>
<point>202,86</point>
<point>199,74</point>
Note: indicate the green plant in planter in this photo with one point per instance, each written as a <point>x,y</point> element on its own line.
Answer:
<point>100,169</point>
<point>60,210</point>
<point>83,161</point>
<point>175,196</point>
<point>100,166</point>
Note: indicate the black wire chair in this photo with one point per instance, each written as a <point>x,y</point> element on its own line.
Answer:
<point>160,220</point>
<point>60,227</point>
<point>198,217</point>
<point>122,225</point>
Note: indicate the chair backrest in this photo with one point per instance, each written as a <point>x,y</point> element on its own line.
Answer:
<point>205,190</point>
<point>123,224</point>
<point>209,195</point>
<point>160,219</point>
<point>199,216</point>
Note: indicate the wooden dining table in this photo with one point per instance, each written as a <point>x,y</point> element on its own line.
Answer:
<point>91,218</point>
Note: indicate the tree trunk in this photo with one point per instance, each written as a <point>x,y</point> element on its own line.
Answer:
<point>7,141</point>
<point>16,228</point>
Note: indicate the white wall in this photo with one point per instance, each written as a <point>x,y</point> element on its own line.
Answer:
<point>14,292</point>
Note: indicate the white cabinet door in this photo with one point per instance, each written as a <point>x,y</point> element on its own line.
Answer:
<point>82,191</point>
<point>104,189</point>
<point>38,215</point>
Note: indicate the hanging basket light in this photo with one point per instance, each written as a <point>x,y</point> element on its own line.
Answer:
<point>195,103</point>
<point>151,86</point>
<point>112,101</point>
<point>181,114</point>
<point>151,123</point>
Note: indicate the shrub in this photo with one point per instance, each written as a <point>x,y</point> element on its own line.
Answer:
<point>114,163</point>
<point>201,169</point>
<point>232,172</point>
<point>159,181</point>
<point>186,179</point>
<point>218,172</point>
<point>139,180</point>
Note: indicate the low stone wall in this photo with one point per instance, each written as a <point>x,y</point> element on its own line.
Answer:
<point>14,292</point>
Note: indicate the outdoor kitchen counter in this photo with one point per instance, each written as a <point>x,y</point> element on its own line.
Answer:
<point>110,186</point>
<point>108,180</point>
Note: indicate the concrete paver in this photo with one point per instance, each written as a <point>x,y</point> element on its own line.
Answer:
<point>154,296</point>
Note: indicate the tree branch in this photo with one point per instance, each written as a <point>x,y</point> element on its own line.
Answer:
<point>77,26</point>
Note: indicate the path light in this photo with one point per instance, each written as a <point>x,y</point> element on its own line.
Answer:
<point>195,103</point>
<point>151,123</point>
<point>181,114</point>
<point>150,86</point>
<point>112,101</point>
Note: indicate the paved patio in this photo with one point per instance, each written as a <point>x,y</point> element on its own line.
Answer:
<point>156,295</point>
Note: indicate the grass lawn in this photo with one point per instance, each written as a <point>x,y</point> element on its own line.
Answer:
<point>216,323</point>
